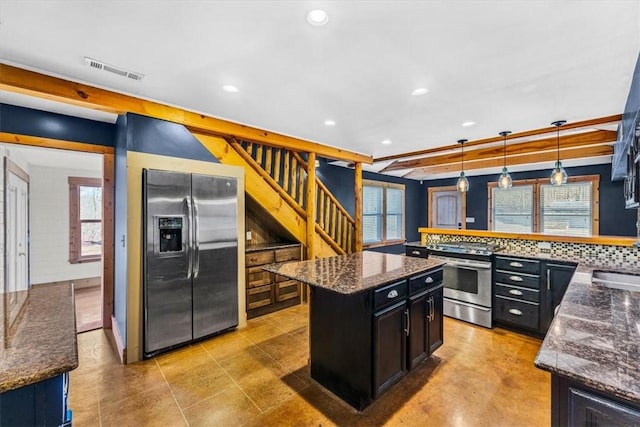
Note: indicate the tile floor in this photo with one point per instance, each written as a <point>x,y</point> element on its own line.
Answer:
<point>258,376</point>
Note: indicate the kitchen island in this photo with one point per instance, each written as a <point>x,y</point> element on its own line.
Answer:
<point>37,351</point>
<point>592,350</point>
<point>373,318</point>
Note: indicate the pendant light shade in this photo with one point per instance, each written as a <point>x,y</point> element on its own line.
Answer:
<point>463,182</point>
<point>558,175</point>
<point>505,180</point>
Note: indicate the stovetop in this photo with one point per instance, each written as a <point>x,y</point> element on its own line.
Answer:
<point>474,248</point>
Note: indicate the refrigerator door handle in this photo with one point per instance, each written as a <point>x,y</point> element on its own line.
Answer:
<point>196,239</point>
<point>189,239</point>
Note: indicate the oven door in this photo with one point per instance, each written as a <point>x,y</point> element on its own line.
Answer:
<point>467,280</point>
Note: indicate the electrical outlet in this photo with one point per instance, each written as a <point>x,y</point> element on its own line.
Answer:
<point>471,220</point>
<point>248,235</point>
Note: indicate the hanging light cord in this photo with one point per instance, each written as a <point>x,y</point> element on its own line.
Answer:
<point>462,158</point>
<point>504,152</point>
<point>558,140</point>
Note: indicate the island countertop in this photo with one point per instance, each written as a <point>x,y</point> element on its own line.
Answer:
<point>594,338</point>
<point>352,273</point>
<point>38,335</point>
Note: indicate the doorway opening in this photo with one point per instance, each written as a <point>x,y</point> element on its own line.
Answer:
<point>447,208</point>
<point>62,220</point>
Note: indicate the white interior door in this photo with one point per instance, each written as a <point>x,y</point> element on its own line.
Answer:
<point>17,232</point>
<point>446,208</point>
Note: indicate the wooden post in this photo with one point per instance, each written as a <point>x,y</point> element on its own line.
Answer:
<point>311,205</point>
<point>358,201</point>
<point>108,182</point>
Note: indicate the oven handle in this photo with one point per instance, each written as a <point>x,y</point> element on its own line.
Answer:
<point>467,304</point>
<point>469,266</point>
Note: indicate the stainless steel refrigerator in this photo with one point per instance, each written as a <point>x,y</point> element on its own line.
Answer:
<point>190,257</point>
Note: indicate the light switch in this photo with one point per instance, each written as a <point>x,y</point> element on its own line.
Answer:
<point>248,235</point>
<point>471,220</point>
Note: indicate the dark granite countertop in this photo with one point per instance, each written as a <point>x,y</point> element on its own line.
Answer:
<point>416,243</point>
<point>267,246</point>
<point>595,338</point>
<point>38,335</point>
<point>356,272</point>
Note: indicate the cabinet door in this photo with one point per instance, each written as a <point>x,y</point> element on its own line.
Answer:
<point>418,329</point>
<point>435,334</point>
<point>555,281</point>
<point>390,333</point>
<point>586,409</point>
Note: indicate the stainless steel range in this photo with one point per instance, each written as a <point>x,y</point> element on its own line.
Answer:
<point>467,279</point>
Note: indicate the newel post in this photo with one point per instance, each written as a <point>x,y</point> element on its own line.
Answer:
<point>311,205</point>
<point>358,201</point>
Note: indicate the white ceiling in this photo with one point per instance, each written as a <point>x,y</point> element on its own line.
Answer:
<point>504,65</point>
<point>28,157</point>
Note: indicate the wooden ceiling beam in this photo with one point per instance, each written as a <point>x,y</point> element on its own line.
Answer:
<point>549,156</point>
<point>496,151</point>
<point>14,79</point>
<point>536,132</point>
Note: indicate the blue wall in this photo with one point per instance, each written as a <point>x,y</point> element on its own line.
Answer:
<point>341,182</point>
<point>120,229</point>
<point>26,121</point>
<point>615,220</point>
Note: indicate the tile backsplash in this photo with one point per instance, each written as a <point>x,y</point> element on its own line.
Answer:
<point>607,256</point>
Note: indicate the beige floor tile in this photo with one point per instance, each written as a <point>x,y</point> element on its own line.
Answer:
<point>198,383</point>
<point>125,381</point>
<point>249,361</point>
<point>227,345</point>
<point>229,408</point>
<point>282,346</point>
<point>261,333</point>
<point>266,389</point>
<point>155,407</point>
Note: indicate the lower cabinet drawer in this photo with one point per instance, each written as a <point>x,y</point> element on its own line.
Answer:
<point>390,294</point>
<point>287,254</point>
<point>515,292</point>
<point>516,312</point>
<point>419,252</point>
<point>256,276</point>
<point>259,297</point>
<point>517,279</point>
<point>287,290</point>
<point>425,281</point>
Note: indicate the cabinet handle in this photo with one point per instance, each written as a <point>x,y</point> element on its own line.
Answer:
<point>515,264</point>
<point>515,311</point>
<point>432,310</point>
<point>515,278</point>
<point>548,279</point>
<point>392,294</point>
<point>428,280</point>
<point>407,322</point>
<point>415,252</point>
<point>515,292</point>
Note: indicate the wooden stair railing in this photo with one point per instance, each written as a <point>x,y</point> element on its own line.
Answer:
<point>286,172</point>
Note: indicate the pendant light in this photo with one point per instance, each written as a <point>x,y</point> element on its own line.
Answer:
<point>505,180</point>
<point>558,175</point>
<point>463,182</point>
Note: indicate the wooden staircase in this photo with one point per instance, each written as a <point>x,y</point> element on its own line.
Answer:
<point>284,183</point>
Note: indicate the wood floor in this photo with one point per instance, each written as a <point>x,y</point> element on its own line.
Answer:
<point>259,377</point>
<point>88,308</point>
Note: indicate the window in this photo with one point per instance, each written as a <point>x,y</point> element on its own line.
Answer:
<point>535,206</point>
<point>382,213</point>
<point>85,219</point>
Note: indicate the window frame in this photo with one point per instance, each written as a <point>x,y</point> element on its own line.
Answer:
<point>75,223</point>
<point>537,184</point>
<point>385,185</point>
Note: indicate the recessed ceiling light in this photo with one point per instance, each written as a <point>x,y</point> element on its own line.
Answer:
<point>329,123</point>
<point>317,17</point>
<point>229,88</point>
<point>469,123</point>
<point>386,141</point>
<point>419,91</point>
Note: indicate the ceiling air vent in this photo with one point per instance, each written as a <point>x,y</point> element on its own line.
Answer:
<point>94,63</point>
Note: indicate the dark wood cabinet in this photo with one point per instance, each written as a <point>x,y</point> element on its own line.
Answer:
<point>556,277</point>
<point>435,299</point>
<point>574,404</point>
<point>526,292</point>
<point>363,343</point>
<point>390,327</point>
<point>268,292</point>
